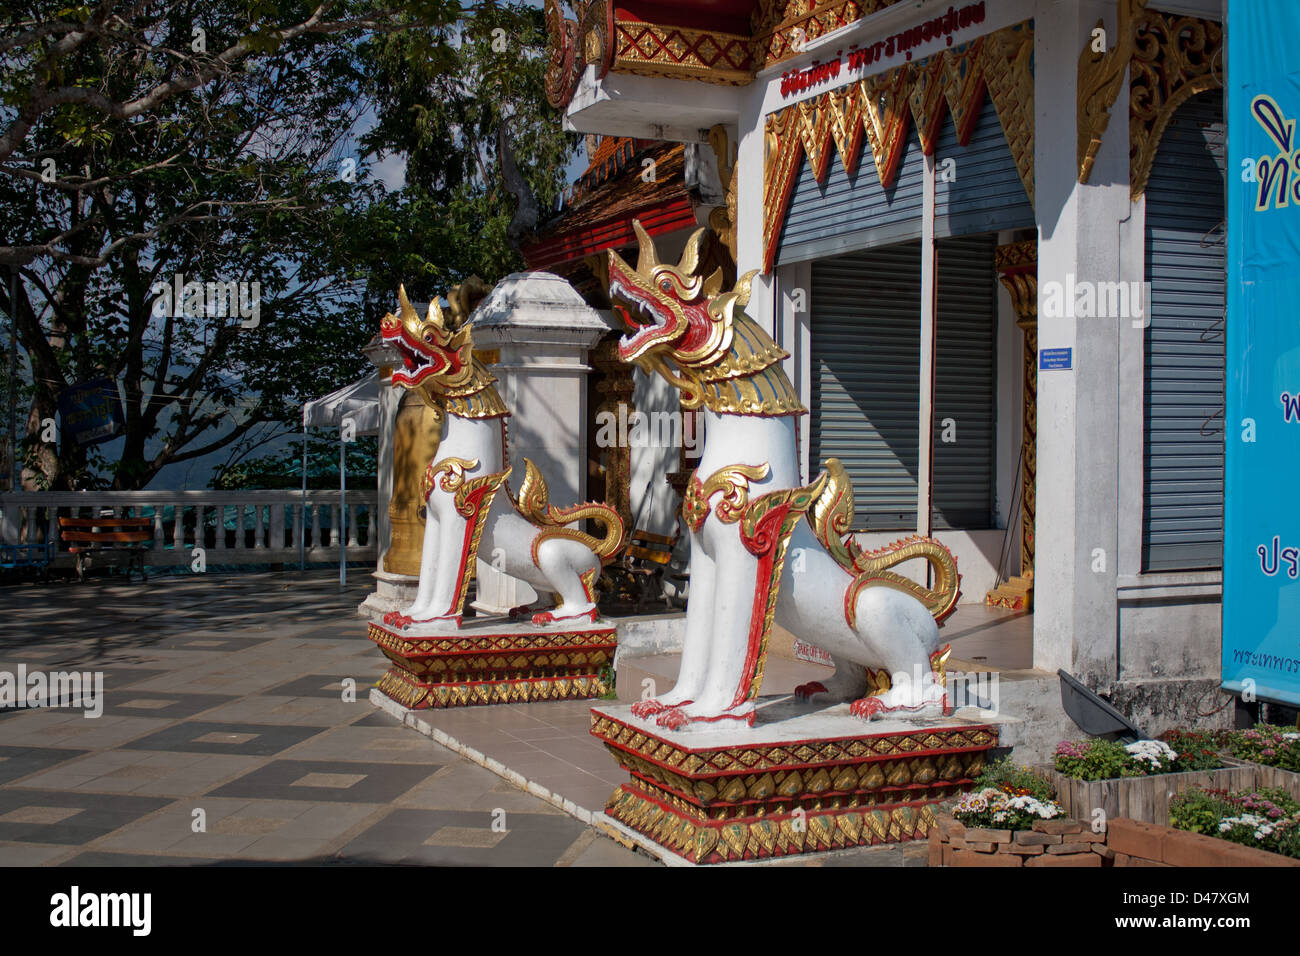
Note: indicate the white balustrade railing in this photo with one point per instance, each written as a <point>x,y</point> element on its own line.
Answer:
<point>233,527</point>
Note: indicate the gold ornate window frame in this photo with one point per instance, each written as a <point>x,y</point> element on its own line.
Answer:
<point>1168,59</point>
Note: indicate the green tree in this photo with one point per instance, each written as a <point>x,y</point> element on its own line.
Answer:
<point>144,141</point>
<point>444,93</point>
<point>212,141</point>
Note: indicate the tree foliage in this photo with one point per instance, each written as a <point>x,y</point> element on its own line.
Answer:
<point>216,141</point>
<point>443,93</point>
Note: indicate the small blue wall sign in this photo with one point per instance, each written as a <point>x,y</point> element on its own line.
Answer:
<point>1051,359</point>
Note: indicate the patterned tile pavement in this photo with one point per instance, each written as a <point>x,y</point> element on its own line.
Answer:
<point>236,728</point>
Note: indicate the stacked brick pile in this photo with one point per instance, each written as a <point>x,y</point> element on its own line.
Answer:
<point>1049,843</point>
<point>1072,843</point>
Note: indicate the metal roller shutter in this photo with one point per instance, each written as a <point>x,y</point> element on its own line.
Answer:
<point>866,348</point>
<point>1184,375</point>
<point>980,190</point>
<point>964,384</point>
<point>866,329</point>
<point>853,212</point>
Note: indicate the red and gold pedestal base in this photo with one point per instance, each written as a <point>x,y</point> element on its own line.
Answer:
<point>493,662</point>
<point>819,782</point>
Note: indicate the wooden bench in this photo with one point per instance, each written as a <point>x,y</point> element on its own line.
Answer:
<point>18,557</point>
<point>108,536</point>
<point>647,562</point>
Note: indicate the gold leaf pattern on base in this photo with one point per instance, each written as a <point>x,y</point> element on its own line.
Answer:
<point>763,801</point>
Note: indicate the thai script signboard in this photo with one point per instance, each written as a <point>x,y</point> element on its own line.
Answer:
<point>1261,549</point>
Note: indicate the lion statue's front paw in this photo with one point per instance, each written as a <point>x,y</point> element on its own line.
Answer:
<point>805,692</point>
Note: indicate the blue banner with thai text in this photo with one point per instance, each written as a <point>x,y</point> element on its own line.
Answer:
<point>1261,547</point>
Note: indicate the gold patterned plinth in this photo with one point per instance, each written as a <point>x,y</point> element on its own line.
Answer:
<point>749,795</point>
<point>492,663</point>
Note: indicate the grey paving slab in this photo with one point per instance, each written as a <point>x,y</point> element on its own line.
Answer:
<point>459,838</point>
<point>601,852</point>
<point>71,729</point>
<point>19,762</point>
<point>132,702</point>
<point>329,686</point>
<point>466,786</point>
<point>212,643</point>
<point>138,772</point>
<point>302,711</point>
<point>392,744</point>
<point>42,816</point>
<point>328,781</point>
<point>97,858</point>
<point>30,854</point>
<point>260,740</point>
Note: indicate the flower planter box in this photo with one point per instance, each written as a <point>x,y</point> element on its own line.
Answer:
<point>1146,844</point>
<point>1142,798</point>
<point>1266,776</point>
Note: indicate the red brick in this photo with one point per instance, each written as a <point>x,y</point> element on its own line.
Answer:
<point>957,843</point>
<point>1195,849</point>
<point>1087,836</point>
<point>970,858</point>
<point>980,846</point>
<point>1033,838</point>
<point>974,835</point>
<point>1073,859</point>
<point>1122,859</point>
<point>1059,827</point>
<point>1105,852</point>
<point>936,848</point>
<point>948,824</point>
<point>1140,861</point>
<point>1065,849</point>
<point>1136,839</point>
<point>1023,850</point>
<point>948,852</point>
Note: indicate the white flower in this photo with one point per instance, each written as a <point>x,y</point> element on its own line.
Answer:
<point>1153,752</point>
<point>1262,827</point>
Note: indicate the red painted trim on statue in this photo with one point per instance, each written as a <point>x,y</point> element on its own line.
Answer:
<point>763,585</point>
<point>474,498</point>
